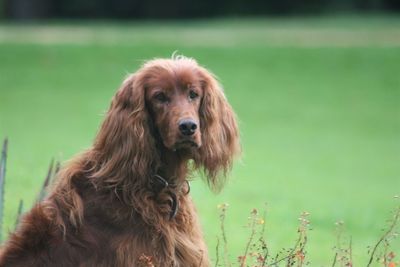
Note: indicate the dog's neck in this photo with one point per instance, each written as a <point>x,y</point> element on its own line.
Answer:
<point>173,167</point>
<point>171,176</point>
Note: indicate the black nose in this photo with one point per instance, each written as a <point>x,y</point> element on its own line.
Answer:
<point>187,126</point>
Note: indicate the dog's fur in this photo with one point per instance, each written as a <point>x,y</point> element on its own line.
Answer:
<point>106,207</point>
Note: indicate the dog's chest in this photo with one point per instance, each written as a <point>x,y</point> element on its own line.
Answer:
<point>164,243</point>
<point>158,250</point>
<point>178,244</point>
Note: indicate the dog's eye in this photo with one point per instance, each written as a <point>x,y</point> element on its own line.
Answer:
<point>161,97</point>
<point>193,95</point>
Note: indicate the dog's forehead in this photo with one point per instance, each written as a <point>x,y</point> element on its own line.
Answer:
<point>172,78</point>
<point>186,78</point>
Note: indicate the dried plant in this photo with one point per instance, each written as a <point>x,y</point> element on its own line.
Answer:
<point>343,248</point>
<point>297,255</point>
<point>222,214</point>
<point>256,252</point>
<point>381,252</point>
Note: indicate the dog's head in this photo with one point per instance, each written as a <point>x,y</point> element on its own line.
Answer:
<point>173,93</point>
<point>177,104</point>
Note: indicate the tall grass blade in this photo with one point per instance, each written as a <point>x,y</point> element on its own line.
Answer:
<point>3,162</point>
<point>49,175</point>
<point>19,213</point>
<point>56,170</point>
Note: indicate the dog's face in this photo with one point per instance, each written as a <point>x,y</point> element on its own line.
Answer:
<point>173,100</point>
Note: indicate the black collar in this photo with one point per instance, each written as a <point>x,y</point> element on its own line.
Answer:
<point>159,184</point>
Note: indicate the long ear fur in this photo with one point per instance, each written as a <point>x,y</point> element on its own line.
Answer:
<point>124,147</point>
<point>220,135</point>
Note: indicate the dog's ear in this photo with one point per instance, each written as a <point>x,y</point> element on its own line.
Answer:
<point>125,145</point>
<point>220,135</point>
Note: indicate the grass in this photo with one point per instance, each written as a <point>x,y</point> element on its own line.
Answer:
<point>318,102</point>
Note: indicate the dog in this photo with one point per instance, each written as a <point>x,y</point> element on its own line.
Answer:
<point>125,201</point>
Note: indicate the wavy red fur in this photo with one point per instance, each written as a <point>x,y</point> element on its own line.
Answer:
<point>103,209</point>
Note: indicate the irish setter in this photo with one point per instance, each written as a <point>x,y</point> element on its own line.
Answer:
<point>125,201</point>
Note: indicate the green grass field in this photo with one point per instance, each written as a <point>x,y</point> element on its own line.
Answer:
<point>318,101</point>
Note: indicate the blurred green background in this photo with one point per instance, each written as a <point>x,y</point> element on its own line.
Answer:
<point>318,100</point>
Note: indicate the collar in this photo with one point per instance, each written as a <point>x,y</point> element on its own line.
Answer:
<point>159,184</point>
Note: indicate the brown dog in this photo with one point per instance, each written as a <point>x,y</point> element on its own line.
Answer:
<point>125,202</point>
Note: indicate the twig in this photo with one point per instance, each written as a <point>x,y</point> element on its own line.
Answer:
<point>342,254</point>
<point>385,252</point>
<point>290,254</point>
<point>262,239</point>
<point>300,242</point>
<point>252,233</point>
<point>223,233</point>
<point>385,235</point>
<point>334,259</point>
<point>217,253</point>
<point>222,208</point>
<point>351,250</point>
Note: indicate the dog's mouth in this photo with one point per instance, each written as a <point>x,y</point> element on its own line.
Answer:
<point>186,143</point>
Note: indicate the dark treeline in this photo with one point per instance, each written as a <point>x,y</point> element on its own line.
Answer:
<point>175,9</point>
